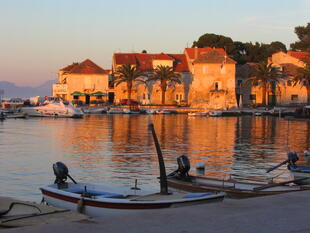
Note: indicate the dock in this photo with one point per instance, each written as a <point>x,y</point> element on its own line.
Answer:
<point>285,213</point>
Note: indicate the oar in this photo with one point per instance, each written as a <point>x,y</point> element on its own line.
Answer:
<point>162,169</point>
<point>279,165</point>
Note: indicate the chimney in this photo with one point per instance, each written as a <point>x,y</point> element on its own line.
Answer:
<point>196,53</point>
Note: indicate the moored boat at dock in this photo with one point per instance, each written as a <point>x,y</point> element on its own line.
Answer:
<point>234,189</point>
<point>54,109</point>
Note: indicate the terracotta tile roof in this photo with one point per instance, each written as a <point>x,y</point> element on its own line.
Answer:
<point>69,67</point>
<point>191,52</point>
<point>180,62</point>
<point>303,56</point>
<point>214,57</point>
<point>290,69</point>
<point>86,67</point>
<point>125,58</point>
<point>144,61</point>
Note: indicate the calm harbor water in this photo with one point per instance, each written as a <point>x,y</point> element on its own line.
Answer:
<point>119,148</point>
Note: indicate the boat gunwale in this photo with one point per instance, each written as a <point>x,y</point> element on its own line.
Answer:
<point>74,198</point>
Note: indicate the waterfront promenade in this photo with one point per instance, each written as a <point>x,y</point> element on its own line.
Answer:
<point>285,213</point>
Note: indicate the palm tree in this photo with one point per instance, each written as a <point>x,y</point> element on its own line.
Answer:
<point>265,75</point>
<point>165,75</point>
<point>303,78</point>
<point>129,74</point>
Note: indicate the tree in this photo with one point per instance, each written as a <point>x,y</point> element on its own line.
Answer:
<point>265,75</point>
<point>241,52</point>
<point>165,75</point>
<point>303,34</point>
<point>129,74</point>
<point>303,78</point>
<point>217,41</point>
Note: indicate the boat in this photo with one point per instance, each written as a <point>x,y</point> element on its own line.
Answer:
<point>180,179</point>
<point>95,110</point>
<point>98,200</point>
<point>115,111</point>
<point>258,114</point>
<point>150,111</point>
<point>215,113</point>
<point>164,111</point>
<point>2,115</point>
<point>16,115</point>
<point>16,213</point>
<point>198,114</point>
<point>301,173</point>
<point>54,109</point>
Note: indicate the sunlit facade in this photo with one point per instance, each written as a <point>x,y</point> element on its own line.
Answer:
<point>150,93</point>
<point>85,82</point>
<point>284,93</point>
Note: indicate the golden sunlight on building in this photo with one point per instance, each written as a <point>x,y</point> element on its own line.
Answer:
<point>150,93</point>
<point>284,93</point>
<point>213,83</point>
<point>289,62</point>
<point>85,82</point>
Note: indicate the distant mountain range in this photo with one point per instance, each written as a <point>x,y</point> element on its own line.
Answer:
<point>10,90</point>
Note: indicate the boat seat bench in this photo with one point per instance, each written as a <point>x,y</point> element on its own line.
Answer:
<point>196,195</point>
<point>95,193</point>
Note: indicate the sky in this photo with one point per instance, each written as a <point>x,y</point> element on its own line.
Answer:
<point>39,37</point>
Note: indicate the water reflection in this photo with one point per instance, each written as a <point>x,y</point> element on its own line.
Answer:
<point>119,148</point>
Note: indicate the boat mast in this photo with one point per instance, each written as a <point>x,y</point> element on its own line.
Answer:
<point>162,169</point>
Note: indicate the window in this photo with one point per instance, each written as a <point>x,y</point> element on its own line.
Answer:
<point>99,97</point>
<point>180,96</point>
<point>289,83</point>
<point>253,97</point>
<point>144,96</point>
<point>149,96</point>
<point>216,85</point>
<point>177,97</point>
<point>75,97</point>
<point>294,97</point>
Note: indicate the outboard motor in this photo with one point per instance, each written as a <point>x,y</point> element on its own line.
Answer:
<point>292,159</point>
<point>61,172</point>
<point>184,165</point>
<point>183,168</point>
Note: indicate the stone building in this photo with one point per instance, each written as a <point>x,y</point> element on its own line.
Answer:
<point>83,81</point>
<point>150,93</point>
<point>284,93</point>
<point>287,93</point>
<point>213,84</point>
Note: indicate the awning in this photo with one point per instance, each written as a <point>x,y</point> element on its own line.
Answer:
<point>77,93</point>
<point>98,93</point>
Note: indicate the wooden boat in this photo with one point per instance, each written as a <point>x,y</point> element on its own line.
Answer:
<point>98,200</point>
<point>215,113</point>
<point>95,200</point>
<point>300,173</point>
<point>233,189</point>
<point>15,213</point>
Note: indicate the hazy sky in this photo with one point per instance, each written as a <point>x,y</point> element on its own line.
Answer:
<point>38,37</point>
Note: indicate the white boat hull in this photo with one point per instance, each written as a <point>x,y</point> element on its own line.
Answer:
<point>126,202</point>
<point>53,110</point>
